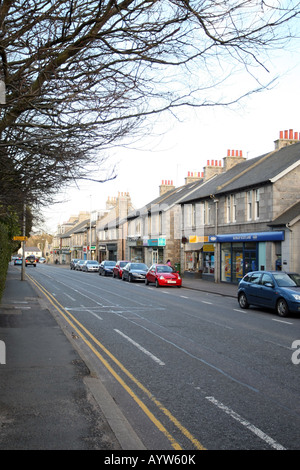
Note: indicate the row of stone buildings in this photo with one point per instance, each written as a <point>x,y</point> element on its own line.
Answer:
<point>232,217</point>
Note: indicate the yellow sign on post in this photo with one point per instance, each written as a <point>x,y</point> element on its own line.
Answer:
<point>20,239</point>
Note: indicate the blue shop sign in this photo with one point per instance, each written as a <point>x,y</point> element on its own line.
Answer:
<point>156,242</point>
<point>247,237</point>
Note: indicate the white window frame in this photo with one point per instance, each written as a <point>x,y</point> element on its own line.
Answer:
<point>249,204</point>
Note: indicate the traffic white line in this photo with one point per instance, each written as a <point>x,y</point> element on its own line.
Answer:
<point>246,423</point>
<point>282,321</point>
<point>156,359</point>
<point>72,298</point>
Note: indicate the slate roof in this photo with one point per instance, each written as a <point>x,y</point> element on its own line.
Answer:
<point>166,200</point>
<point>288,216</point>
<point>252,172</point>
<point>81,227</point>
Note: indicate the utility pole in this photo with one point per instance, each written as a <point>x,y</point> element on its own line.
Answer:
<point>23,243</point>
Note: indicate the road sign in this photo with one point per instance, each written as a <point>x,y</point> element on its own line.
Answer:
<point>21,239</point>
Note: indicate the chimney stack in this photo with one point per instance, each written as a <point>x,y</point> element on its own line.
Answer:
<point>213,167</point>
<point>287,137</point>
<point>166,185</point>
<point>193,176</point>
<point>233,158</point>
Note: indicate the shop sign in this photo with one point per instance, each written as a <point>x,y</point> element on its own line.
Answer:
<point>208,248</point>
<point>155,242</point>
<point>102,247</point>
<point>246,237</point>
<point>197,239</point>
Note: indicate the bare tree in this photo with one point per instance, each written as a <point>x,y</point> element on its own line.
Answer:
<point>81,75</point>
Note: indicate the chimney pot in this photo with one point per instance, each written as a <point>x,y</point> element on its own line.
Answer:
<point>228,153</point>
<point>296,136</point>
<point>281,135</point>
<point>286,134</point>
<point>232,153</point>
<point>207,162</point>
<point>291,134</point>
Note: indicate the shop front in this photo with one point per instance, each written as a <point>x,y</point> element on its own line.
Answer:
<point>154,250</point>
<point>135,247</point>
<point>241,253</point>
<point>200,256</point>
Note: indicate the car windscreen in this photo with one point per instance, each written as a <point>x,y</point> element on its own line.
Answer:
<point>283,280</point>
<point>165,269</point>
<point>139,266</point>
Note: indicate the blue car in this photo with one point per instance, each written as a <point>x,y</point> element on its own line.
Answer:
<point>274,289</point>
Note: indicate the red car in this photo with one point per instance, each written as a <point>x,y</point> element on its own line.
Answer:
<point>163,275</point>
<point>118,269</point>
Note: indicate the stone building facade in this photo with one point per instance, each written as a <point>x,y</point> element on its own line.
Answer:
<point>235,212</point>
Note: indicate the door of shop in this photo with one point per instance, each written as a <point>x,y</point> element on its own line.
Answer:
<point>250,261</point>
<point>154,256</point>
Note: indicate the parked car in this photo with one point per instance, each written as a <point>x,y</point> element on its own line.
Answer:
<point>274,289</point>
<point>118,269</point>
<point>42,260</point>
<point>79,264</point>
<point>106,268</point>
<point>73,262</point>
<point>295,277</point>
<point>17,261</point>
<point>134,272</point>
<point>30,261</point>
<point>90,265</point>
<point>163,275</point>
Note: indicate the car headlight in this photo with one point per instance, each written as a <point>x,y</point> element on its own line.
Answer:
<point>161,277</point>
<point>296,296</point>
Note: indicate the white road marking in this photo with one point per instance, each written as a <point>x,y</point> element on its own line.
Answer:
<point>72,298</point>
<point>148,353</point>
<point>246,423</point>
<point>282,321</point>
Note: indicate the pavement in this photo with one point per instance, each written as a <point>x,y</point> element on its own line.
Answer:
<point>49,400</point>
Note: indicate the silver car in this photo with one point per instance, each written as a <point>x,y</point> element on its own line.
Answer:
<point>90,265</point>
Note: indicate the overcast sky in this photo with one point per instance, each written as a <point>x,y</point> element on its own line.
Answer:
<point>201,135</point>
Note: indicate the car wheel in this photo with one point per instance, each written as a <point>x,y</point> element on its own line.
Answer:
<point>146,282</point>
<point>129,278</point>
<point>282,308</point>
<point>243,302</point>
<point>156,283</point>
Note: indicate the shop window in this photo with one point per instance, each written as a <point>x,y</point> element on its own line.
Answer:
<point>257,204</point>
<point>249,205</point>
<point>228,216</point>
<point>234,209</point>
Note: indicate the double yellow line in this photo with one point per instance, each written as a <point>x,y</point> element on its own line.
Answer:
<point>79,328</point>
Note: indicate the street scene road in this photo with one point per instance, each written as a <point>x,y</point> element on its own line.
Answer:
<point>190,370</point>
